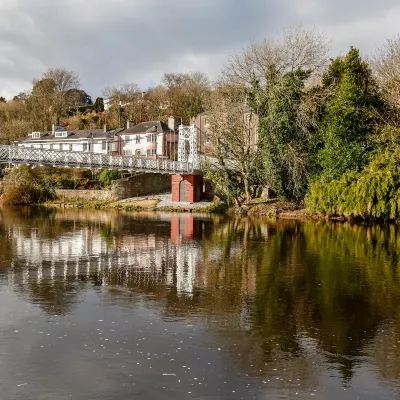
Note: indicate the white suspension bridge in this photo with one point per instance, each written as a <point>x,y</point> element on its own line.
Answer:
<point>189,159</point>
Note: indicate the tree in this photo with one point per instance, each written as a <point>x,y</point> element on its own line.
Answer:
<point>41,103</point>
<point>98,105</point>
<point>285,136</point>
<point>127,99</point>
<point>276,73</point>
<point>386,65</point>
<point>65,81</point>
<point>351,116</point>
<point>237,165</point>
<point>3,99</point>
<point>187,94</point>
<point>295,48</point>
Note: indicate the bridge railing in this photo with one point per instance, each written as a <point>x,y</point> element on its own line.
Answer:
<point>26,155</point>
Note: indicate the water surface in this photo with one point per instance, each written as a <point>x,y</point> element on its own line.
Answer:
<point>100,305</point>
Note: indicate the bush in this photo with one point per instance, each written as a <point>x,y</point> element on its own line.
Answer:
<point>23,185</point>
<point>372,193</point>
<point>107,176</point>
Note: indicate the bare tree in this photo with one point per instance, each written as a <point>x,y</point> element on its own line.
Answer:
<point>232,138</point>
<point>64,81</point>
<point>386,65</point>
<point>127,98</point>
<point>294,48</point>
<point>187,94</point>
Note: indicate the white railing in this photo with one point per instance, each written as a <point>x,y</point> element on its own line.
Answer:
<point>32,156</point>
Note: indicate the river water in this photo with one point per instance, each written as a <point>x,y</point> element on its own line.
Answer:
<point>102,305</point>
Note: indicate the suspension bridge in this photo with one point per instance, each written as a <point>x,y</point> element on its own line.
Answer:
<point>15,155</point>
<point>186,172</point>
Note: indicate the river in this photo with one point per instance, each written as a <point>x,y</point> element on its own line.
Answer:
<point>103,305</point>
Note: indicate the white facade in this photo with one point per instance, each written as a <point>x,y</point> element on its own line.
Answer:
<point>148,144</point>
<point>96,141</point>
<point>81,145</point>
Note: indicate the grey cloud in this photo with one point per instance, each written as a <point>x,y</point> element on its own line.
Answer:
<point>138,40</point>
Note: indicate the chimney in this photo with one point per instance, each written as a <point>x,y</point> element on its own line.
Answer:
<point>171,123</point>
<point>130,124</point>
<point>105,128</point>
<point>53,129</point>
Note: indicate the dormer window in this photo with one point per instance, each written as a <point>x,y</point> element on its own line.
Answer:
<point>35,135</point>
<point>61,134</point>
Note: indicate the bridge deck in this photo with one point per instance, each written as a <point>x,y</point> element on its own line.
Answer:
<point>32,156</point>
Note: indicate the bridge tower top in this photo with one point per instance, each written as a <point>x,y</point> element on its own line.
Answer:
<point>188,144</point>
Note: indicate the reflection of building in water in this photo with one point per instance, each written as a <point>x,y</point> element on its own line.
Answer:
<point>133,258</point>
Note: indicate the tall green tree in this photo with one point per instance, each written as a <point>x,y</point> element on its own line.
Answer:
<point>351,116</point>
<point>284,138</point>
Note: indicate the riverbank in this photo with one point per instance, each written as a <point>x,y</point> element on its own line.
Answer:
<point>161,202</point>
<point>261,208</point>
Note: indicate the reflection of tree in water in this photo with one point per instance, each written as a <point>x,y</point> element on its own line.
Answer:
<point>336,283</point>
<point>278,294</point>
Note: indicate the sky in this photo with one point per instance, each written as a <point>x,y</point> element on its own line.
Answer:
<point>136,41</point>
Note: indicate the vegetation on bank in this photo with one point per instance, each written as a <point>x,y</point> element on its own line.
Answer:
<point>374,192</point>
<point>27,185</point>
<point>283,117</point>
<point>328,132</point>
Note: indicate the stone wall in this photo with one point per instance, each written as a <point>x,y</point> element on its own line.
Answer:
<point>141,185</point>
<point>88,195</point>
<point>135,186</point>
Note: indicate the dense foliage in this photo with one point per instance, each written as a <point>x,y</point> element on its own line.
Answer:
<point>282,138</point>
<point>24,185</point>
<point>372,193</point>
<point>107,176</point>
<point>351,116</point>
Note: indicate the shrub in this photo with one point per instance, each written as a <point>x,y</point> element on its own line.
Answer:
<point>372,193</point>
<point>107,176</point>
<point>23,185</point>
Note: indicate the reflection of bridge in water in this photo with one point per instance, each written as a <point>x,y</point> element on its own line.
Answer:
<point>90,253</point>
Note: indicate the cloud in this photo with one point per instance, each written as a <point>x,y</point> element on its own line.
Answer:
<point>120,41</point>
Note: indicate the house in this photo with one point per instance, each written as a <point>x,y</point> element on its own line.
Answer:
<point>150,139</point>
<point>87,140</point>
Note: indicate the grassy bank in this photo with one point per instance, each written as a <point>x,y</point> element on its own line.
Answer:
<point>148,204</point>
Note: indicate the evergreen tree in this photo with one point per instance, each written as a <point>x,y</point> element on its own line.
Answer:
<point>283,139</point>
<point>350,118</point>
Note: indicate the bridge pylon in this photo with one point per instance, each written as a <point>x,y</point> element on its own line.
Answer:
<point>185,187</point>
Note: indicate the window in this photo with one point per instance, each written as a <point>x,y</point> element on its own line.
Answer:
<point>60,146</point>
<point>51,146</point>
<point>84,146</point>
<point>151,138</point>
<point>104,146</point>
<point>207,123</point>
<point>41,146</point>
<point>137,152</point>
<point>137,139</point>
<point>35,135</point>
<point>127,152</point>
<point>61,134</point>
<point>70,147</point>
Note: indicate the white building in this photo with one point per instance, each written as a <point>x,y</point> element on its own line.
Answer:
<point>88,140</point>
<point>153,138</point>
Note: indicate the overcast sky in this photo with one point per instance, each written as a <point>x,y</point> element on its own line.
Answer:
<point>118,41</point>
